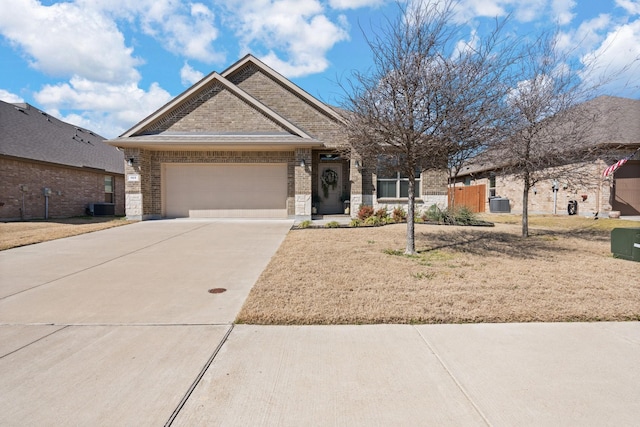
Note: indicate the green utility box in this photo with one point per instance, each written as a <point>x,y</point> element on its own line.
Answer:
<point>625,243</point>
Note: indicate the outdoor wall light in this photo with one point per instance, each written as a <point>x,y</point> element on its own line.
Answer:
<point>130,161</point>
<point>302,163</point>
<point>358,165</point>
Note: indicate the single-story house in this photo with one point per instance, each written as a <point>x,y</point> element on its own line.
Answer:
<point>53,169</point>
<point>248,142</point>
<point>618,129</point>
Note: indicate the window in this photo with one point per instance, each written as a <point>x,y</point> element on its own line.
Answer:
<point>395,185</point>
<point>108,189</point>
<point>492,185</point>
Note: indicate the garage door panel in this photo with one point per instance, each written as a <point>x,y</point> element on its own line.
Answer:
<point>222,190</point>
<point>627,193</point>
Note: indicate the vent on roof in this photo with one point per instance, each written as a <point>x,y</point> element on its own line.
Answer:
<point>45,115</point>
<point>20,109</point>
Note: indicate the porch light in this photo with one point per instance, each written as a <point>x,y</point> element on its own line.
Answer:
<point>302,163</point>
<point>358,164</point>
<point>130,161</point>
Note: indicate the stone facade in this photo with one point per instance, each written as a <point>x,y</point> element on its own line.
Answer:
<point>592,197</point>
<point>72,189</point>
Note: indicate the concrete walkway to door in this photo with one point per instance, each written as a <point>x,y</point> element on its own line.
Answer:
<point>113,327</point>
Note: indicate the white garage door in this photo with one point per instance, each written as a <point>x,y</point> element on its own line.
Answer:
<point>224,190</point>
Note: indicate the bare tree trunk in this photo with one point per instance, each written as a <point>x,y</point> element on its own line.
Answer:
<point>525,207</point>
<point>411,242</point>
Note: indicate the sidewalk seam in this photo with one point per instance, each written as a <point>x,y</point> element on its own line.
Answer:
<point>455,380</point>
<point>195,383</point>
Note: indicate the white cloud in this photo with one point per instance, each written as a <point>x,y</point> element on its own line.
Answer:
<point>297,30</point>
<point>562,10</point>
<point>189,76</point>
<point>190,35</point>
<point>186,29</point>
<point>354,4</point>
<point>587,36</point>
<point>523,11</point>
<point>613,60</point>
<point>108,109</point>
<point>530,10</point>
<point>65,39</point>
<point>631,6</point>
<point>9,97</point>
<point>469,9</point>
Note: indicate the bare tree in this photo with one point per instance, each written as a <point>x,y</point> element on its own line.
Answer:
<point>552,130</point>
<point>427,98</point>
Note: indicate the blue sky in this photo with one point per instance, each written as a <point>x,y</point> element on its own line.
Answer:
<point>107,64</point>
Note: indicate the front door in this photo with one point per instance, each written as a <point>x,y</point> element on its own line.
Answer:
<point>330,188</point>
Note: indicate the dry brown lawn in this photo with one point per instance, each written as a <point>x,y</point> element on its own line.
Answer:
<point>563,272</point>
<point>14,234</point>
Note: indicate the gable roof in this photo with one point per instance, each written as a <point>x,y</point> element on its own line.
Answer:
<point>146,133</point>
<point>193,90</point>
<point>250,59</point>
<point>29,133</point>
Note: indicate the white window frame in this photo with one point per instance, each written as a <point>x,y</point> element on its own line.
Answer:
<point>398,181</point>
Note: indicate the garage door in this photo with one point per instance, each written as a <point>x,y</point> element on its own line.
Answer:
<point>223,190</point>
<point>627,192</point>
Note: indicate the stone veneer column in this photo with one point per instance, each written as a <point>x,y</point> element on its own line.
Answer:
<point>133,184</point>
<point>303,183</point>
<point>355,176</point>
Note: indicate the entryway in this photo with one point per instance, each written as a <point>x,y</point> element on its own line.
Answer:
<point>331,184</point>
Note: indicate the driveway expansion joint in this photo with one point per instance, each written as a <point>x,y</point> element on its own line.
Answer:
<point>35,341</point>
<point>199,377</point>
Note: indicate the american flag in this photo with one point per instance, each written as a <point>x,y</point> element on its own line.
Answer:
<point>611,169</point>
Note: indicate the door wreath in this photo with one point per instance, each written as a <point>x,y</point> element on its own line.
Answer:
<point>328,179</point>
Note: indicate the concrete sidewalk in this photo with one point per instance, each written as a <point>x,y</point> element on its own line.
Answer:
<point>117,328</point>
<point>429,375</point>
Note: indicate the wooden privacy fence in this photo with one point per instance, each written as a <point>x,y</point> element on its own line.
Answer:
<point>471,196</point>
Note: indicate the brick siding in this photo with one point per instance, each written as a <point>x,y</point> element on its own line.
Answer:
<point>72,189</point>
<point>288,105</point>
<point>148,164</point>
<point>597,192</point>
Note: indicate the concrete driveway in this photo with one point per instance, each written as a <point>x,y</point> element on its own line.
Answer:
<point>118,324</point>
<point>118,328</point>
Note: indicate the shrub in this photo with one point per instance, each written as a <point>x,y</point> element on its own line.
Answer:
<point>374,221</point>
<point>382,213</point>
<point>399,214</point>
<point>305,224</point>
<point>356,222</point>
<point>333,224</point>
<point>365,212</point>
<point>459,216</point>
<point>464,216</point>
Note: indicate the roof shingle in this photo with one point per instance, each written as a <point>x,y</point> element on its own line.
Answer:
<point>29,133</point>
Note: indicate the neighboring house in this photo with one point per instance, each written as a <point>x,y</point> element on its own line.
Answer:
<point>247,142</point>
<point>617,127</point>
<point>52,169</point>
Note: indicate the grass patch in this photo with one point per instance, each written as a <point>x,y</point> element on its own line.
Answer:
<point>22,233</point>
<point>563,272</point>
